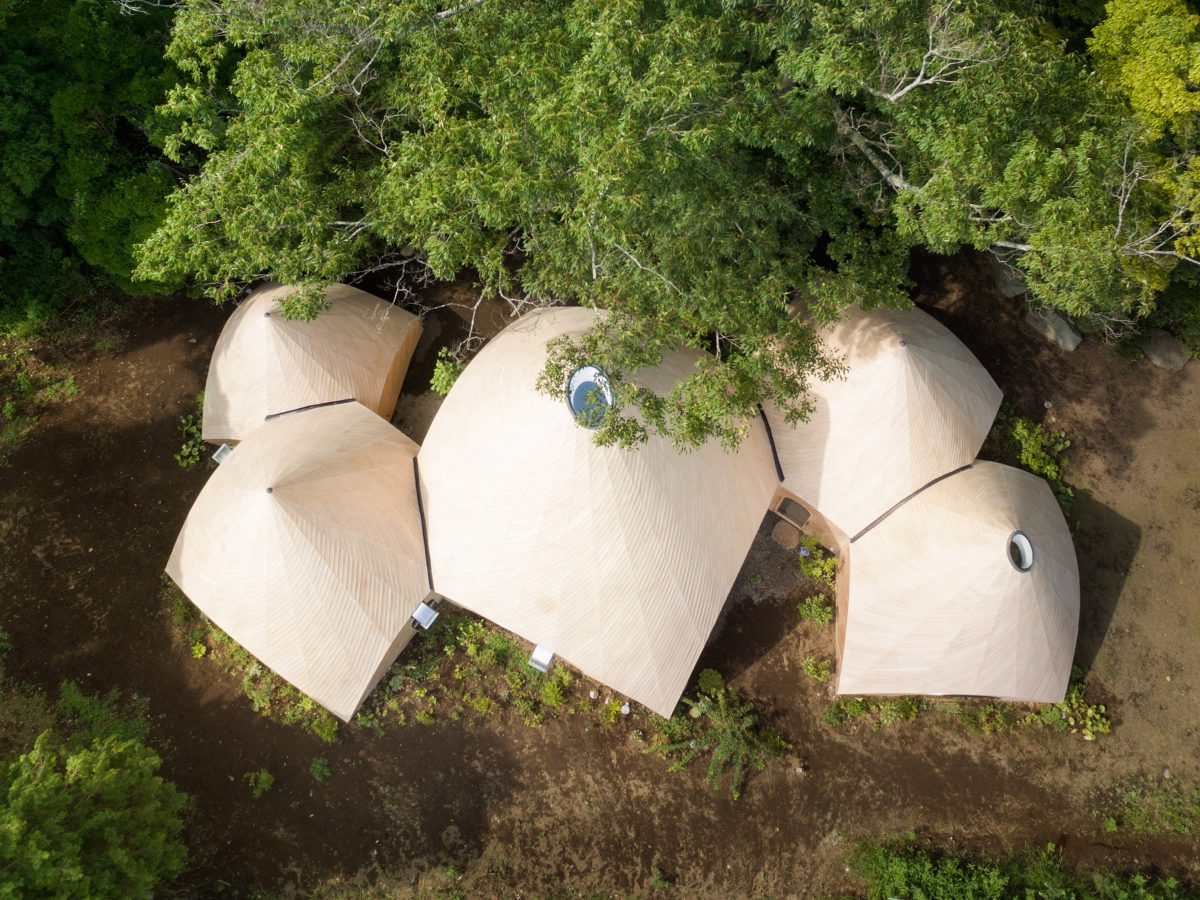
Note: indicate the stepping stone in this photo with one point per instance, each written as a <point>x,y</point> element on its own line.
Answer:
<point>786,535</point>
<point>1166,352</point>
<point>1054,327</point>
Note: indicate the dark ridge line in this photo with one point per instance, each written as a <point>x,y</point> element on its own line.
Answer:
<point>424,532</point>
<point>899,504</point>
<point>288,412</point>
<point>771,440</point>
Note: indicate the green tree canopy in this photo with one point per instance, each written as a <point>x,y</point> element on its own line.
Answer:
<point>80,180</point>
<point>691,166</point>
<point>93,822</point>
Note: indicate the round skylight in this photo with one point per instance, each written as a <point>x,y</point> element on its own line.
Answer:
<point>1020,551</point>
<point>589,395</point>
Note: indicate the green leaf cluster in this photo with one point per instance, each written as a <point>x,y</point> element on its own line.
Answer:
<point>691,167</point>
<point>901,868</point>
<point>91,822</point>
<point>80,180</point>
<point>724,727</point>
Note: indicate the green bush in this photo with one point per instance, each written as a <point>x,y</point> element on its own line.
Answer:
<point>720,724</point>
<point>260,782</point>
<point>710,681</point>
<point>97,821</point>
<point>901,869</point>
<point>816,668</point>
<point>319,768</point>
<point>816,609</point>
<point>192,450</point>
<point>1031,446</point>
<point>816,562</point>
<point>1075,714</point>
<point>880,713</point>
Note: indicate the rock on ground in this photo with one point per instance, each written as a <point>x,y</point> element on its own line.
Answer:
<point>786,535</point>
<point>1054,327</point>
<point>1166,352</point>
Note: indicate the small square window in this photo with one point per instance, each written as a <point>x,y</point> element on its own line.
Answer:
<point>792,511</point>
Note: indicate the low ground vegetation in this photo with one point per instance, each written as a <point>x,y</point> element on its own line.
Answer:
<point>904,868</point>
<point>28,385</point>
<point>1153,806</point>
<point>1020,441</point>
<point>192,450</point>
<point>1075,715</point>
<point>464,670</point>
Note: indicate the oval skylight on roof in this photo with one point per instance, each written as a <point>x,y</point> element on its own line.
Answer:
<point>589,395</point>
<point>1020,551</point>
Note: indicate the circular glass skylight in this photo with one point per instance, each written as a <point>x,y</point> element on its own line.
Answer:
<point>1020,551</point>
<point>589,395</point>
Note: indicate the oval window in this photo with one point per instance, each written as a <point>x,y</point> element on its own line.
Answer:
<point>589,396</point>
<point>1020,551</point>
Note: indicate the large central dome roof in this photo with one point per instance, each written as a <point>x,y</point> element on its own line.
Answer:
<point>617,560</point>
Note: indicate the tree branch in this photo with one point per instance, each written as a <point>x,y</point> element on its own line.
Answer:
<point>846,128</point>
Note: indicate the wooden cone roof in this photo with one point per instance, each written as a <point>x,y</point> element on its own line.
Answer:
<point>617,560</point>
<point>936,605</point>
<point>914,405</point>
<point>263,364</point>
<point>306,547</point>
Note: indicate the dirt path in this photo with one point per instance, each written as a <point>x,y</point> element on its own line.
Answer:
<point>91,505</point>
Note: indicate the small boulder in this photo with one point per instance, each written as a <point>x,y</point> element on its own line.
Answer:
<point>1166,352</point>
<point>1054,327</point>
<point>786,535</point>
<point>1009,281</point>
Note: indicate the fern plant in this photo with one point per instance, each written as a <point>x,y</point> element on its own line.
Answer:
<point>723,725</point>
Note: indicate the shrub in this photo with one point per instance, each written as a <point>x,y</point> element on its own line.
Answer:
<point>1034,448</point>
<point>93,822</point>
<point>897,709</point>
<point>880,713</point>
<point>816,668</point>
<point>319,768</point>
<point>260,782</point>
<point>815,561</point>
<point>816,609</point>
<point>1074,714</point>
<point>723,725</point>
<point>710,681</point>
<point>192,450</point>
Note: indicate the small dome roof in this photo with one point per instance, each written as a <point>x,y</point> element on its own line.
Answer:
<point>263,364</point>
<point>941,602</point>
<point>915,404</point>
<point>306,547</point>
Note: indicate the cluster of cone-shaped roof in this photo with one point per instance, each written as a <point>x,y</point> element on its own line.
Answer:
<point>319,537</point>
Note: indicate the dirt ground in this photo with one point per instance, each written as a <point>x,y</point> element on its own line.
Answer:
<point>93,500</point>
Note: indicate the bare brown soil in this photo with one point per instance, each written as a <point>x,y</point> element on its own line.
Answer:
<point>91,504</point>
